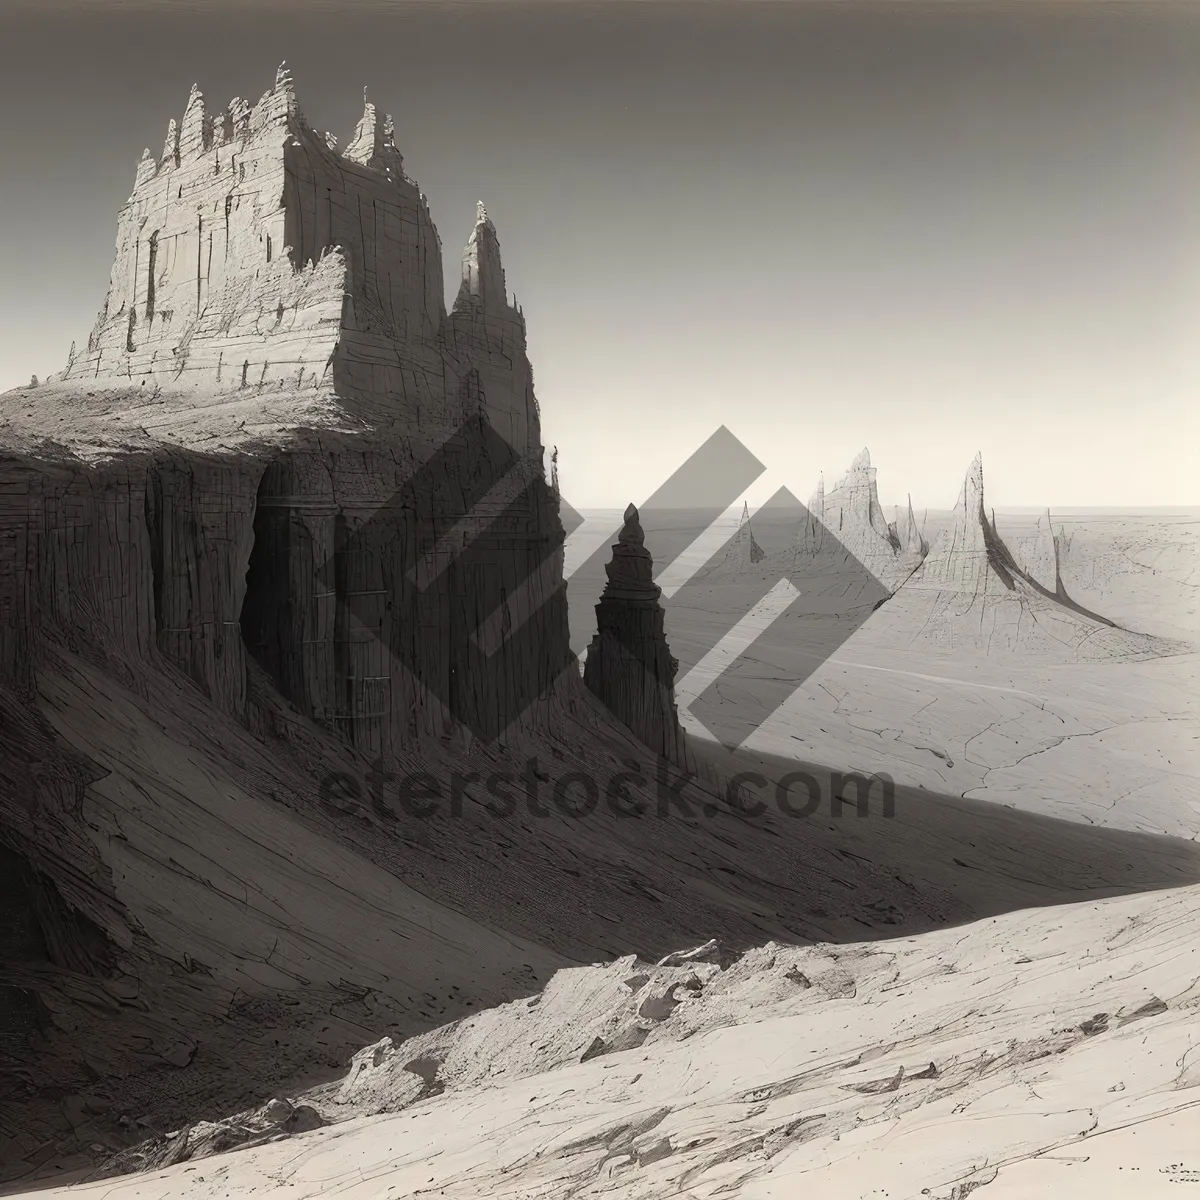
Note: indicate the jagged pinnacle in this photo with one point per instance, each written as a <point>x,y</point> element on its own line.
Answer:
<point>631,531</point>
<point>970,499</point>
<point>171,145</point>
<point>374,144</point>
<point>283,77</point>
<point>482,271</point>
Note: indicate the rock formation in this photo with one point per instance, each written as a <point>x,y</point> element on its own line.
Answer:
<point>909,534</point>
<point>629,664</point>
<point>848,521</point>
<point>233,559</point>
<point>743,551</point>
<point>971,591</point>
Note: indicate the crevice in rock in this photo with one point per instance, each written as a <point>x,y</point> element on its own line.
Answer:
<point>266,608</point>
<point>153,509</point>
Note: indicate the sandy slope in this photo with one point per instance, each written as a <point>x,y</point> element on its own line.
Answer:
<point>1040,1053</point>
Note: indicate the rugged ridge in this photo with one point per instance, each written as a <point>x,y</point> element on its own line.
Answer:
<point>848,519</point>
<point>210,522</point>
<point>971,590</point>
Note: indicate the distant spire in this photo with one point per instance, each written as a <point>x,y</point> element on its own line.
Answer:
<point>146,167</point>
<point>970,499</point>
<point>744,550</point>
<point>192,131</point>
<point>170,154</point>
<point>374,143</point>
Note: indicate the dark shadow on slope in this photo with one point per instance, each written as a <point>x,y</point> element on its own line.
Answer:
<point>984,858</point>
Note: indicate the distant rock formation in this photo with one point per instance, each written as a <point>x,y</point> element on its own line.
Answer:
<point>629,665</point>
<point>909,534</point>
<point>743,551</point>
<point>849,519</point>
<point>972,592</point>
<point>966,552</point>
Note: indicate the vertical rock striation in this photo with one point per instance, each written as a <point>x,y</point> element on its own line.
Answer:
<point>629,664</point>
<point>213,522</point>
<point>275,337</point>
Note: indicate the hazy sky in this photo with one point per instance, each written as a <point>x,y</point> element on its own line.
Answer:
<point>928,229</point>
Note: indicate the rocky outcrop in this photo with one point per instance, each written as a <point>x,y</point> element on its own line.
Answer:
<point>971,591</point>
<point>1081,1031</point>
<point>227,530</point>
<point>629,665</point>
<point>847,522</point>
<point>909,534</point>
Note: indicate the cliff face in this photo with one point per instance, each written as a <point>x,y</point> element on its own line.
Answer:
<point>236,554</point>
<point>266,288</point>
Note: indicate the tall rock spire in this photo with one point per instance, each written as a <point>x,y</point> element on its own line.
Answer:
<point>912,540</point>
<point>482,271</point>
<point>374,142</point>
<point>629,664</point>
<point>195,133</point>
<point>170,153</point>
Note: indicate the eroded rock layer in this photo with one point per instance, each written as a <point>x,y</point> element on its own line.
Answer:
<point>273,500</point>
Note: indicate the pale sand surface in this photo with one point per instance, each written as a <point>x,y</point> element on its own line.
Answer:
<point>925,1066</point>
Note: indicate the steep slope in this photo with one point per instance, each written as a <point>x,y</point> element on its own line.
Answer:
<point>1021,1054</point>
